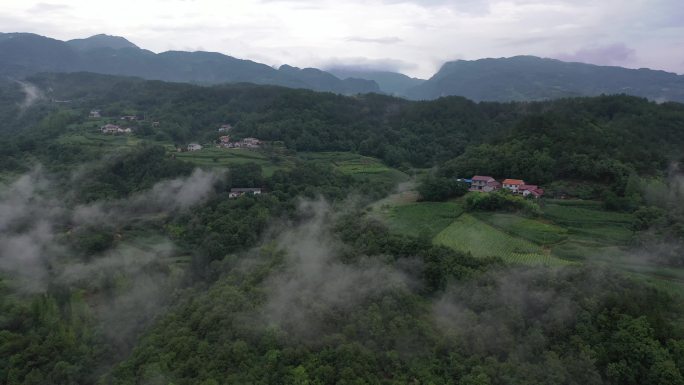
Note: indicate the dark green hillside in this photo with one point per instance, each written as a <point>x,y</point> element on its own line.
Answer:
<point>602,139</point>
<point>479,332</point>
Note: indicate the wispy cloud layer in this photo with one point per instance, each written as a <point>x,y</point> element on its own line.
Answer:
<point>304,33</point>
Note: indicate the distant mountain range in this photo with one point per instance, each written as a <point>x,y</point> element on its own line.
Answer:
<point>22,54</point>
<point>528,78</point>
<point>392,83</point>
<point>520,78</point>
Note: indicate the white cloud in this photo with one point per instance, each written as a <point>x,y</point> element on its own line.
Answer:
<point>308,33</point>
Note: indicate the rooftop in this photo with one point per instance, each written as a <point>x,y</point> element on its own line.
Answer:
<point>484,178</point>
<point>514,182</point>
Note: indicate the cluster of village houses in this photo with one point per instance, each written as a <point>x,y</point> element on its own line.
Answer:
<point>483,183</point>
<point>113,128</point>
<point>225,141</point>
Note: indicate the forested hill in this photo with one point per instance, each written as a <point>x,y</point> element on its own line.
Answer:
<point>567,138</point>
<point>124,261</point>
<point>527,78</point>
<point>23,54</point>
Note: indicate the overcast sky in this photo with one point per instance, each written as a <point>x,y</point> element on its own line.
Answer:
<point>414,37</point>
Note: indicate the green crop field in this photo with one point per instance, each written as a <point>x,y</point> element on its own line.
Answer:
<point>588,222</point>
<point>469,234</point>
<point>571,212</point>
<point>576,249</point>
<point>530,229</point>
<point>97,139</point>
<point>426,218</point>
<point>224,157</point>
<point>358,166</point>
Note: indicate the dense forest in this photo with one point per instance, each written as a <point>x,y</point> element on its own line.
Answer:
<point>558,139</point>
<point>128,264</point>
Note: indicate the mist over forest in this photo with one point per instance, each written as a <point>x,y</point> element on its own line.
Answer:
<point>363,260</point>
<point>465,193</point>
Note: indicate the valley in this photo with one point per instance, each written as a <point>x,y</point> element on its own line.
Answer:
<point>142,245</point>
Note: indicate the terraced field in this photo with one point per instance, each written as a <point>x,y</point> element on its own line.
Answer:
<point>224,157</point>
<point>99,140</point>
<point>469,234</point>
<point>589,222</point>
<point>358,166</point>
<point>569,232</point>
<point>531,229</point>
<point>423,219</point>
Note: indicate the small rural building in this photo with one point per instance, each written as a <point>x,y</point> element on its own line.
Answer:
<point>530,189</point>
<point>513,184</point>
<point>114,129</point>
<point>251,142</point>
<point>225,128</point>
<point>224,141</point>
<point>484,184</point>
<point>110,129</point>
<point>94,114</point>
<point>238,192</point>
<point>194,147</point>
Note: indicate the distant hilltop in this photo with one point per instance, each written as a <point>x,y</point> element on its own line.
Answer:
<point>519,78</point>
<point>530,78</point>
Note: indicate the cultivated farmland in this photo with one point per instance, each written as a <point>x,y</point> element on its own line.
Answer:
<point>469,234</point>
<point>423,219</point>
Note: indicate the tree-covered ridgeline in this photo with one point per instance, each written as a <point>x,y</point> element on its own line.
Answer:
<point>591,138</point>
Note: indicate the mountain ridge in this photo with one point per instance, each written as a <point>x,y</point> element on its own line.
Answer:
<point>23,54</point>
<point>530,78</point>
<point>517,78</point>
<point>101,41</point>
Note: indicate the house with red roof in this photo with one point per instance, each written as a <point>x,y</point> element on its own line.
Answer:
<point>513,184</point>
<point>485,183</point>
<point>530,189</point>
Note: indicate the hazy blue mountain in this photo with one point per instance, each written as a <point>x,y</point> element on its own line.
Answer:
<point>325,81</point>
<point>26,53</point>
<point>524,78</point>
<point>101,41</point>
<point>22,54</point>
<point>392,83</point>
<point>520,78</point>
